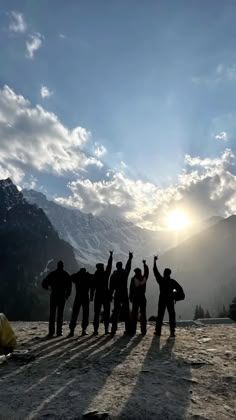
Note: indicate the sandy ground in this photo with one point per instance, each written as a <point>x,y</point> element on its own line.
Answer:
<point>191,377</point>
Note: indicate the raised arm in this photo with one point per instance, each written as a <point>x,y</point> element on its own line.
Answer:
<point>109,264</point>
<point>128,264</point>
<point>145,270</point>
<point>112,285</point>
<point>156,272</point>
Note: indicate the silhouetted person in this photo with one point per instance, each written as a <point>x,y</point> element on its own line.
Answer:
<point>170,292</point>
<point>102,297</point>
<point>138,298</point>
<point>59,283</point>
<point>119,285</point>
<point>83,284</point>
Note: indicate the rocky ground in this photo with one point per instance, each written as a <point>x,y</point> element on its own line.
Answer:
<point>191,377</point>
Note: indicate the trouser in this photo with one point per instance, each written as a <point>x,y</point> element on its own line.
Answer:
<point>78,302</point>
<point>139,303</point>
<point>100,302</point>
<point>162,305</point>
<point>57,304</point>
<point>120,301</point>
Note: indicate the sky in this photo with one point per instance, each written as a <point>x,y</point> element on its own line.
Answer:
<point>122,108</point>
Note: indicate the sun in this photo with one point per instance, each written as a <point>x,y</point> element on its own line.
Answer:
<point>177,220</point>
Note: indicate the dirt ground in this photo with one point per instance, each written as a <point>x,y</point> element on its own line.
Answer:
<point>191,377</point>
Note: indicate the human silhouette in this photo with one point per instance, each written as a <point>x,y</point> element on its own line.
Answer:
<point>83,283</point>
<point>59,282</point>
<point>170,292</point>
<point>138,299</point>
<point>102,298</point>
<point>119,287</point>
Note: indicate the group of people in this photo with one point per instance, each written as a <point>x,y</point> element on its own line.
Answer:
<point>103,288</point>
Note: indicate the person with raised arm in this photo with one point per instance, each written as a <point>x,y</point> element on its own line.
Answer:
<point>100,289</point>
<point>170,292</point>
<point>138,299</point>
<point>119,288</point>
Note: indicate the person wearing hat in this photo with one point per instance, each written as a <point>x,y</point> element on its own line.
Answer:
<point>82,281</point>
<point>138,298</point>
<point>119,287</point>
<point>170,292</point>
<point>101,291</point>
<point>59,282</point>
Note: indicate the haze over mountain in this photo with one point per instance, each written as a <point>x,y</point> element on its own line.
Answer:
<point>29,247</point>
<point>205,265</point>
<point>92,237</point>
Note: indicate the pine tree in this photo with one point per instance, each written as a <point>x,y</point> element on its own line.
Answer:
<point>224,313</point>
<point>196,313</point>
<point>207,314</point>
<point>232,310</point>
<point>201,312</point>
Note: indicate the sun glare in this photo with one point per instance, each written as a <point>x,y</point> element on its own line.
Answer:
<point>177,220</point>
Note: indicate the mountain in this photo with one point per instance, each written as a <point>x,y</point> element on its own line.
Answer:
<point>92,237</point>
<point>29,247</point>
<point>205,265</point>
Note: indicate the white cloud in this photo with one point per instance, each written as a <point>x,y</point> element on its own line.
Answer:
<point>99,150</point>
<point>33,44</point>
<point>206,187</point>
<point>45,92</point>
<point>35,138</point>
<point>17,23</point>
<point>222,136</point>
<point>62,36</point>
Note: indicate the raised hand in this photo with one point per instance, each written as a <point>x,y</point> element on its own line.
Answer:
<point>144,261</point>
<point>111,253</point>
<point>130,254</point>
<point>155,257</point>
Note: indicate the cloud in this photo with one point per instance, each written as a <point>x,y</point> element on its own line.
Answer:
<point>206,187</point>
<point>33,44</point>
<point>99,150</point>
<point>17,23</point>
<point>222,136</point>
<point>221,73</point>
<point>62,36</point>
<point>35,138</point>
<point>45,92</point>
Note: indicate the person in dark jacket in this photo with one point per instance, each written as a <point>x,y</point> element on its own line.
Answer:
<point>102,298</point>
<point>119,287</point>
<point>138,299</point>
<point>170,291</point>
<point>83,283</point>
<point>59,283</point>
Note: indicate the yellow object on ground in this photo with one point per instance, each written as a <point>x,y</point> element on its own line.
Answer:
<point>7,336</point>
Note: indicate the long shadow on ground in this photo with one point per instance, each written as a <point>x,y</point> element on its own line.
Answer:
<point>162,390</point>
<point>64,378</point>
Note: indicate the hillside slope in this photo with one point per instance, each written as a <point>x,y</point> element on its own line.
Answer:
<point>206,266</point>
<point>29,247</point>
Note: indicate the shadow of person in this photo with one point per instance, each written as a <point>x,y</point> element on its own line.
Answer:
<point>85,374</point>
<point>162,388</point>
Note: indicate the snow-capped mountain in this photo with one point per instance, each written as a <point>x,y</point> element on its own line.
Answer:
<point>92,237</point>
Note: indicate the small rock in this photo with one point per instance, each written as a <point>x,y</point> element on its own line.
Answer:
<point>96,415</point>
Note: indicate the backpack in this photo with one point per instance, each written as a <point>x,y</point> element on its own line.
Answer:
<point>178,294</point>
